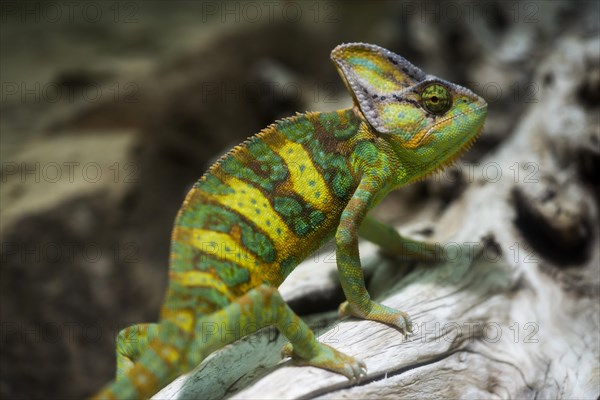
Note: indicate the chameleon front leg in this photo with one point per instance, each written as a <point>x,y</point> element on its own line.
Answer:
<point>393,244</point>
<point>261,307</point>
<point>359,303</point>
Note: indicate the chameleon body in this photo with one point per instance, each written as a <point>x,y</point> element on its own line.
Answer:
<point>279,196</point>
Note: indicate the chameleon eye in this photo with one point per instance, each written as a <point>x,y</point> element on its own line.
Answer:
<point>436,98</point>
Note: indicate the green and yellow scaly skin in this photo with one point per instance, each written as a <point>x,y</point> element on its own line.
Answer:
<point>276,198</point>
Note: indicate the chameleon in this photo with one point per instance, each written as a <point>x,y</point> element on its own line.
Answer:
<point>273,200</point>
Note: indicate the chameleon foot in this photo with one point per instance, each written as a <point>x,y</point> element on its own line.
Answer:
<point>378,312</point>
<point>327,357</point>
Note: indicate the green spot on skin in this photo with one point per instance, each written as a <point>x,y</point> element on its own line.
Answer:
<point>294,212</point>
<point>311,183</point>
<point>343,134</point>
<point>368,152</point>
<point>288,265</point>
<point>316,217</point>
<point>331,122</point>
<point>299,130</point>
<point>258,243</point>
<point>207,294</point>
<point>303,224</point>
<point>341,185</point>
<point>267,160</point>
<point>287,206</point>
<point>232,274</point>
<point>301,227</point>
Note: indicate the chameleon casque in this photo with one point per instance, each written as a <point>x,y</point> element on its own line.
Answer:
<point>273,200</point>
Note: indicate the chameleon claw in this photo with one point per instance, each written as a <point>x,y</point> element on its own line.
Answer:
<point>405,323</point>
<point>355,371</point>
<point>287,351</point>
<point>363,371</point>
<point>360,370</point>
<point>349,372</point>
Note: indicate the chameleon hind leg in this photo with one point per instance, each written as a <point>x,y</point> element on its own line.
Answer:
<point>261,307</point>
<point>150,357</point>
<point>131,344</point>
<point>393,244</point>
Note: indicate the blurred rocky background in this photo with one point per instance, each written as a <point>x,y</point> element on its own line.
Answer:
<point>111,110</point>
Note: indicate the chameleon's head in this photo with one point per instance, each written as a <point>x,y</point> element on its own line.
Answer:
<point>427,121</point>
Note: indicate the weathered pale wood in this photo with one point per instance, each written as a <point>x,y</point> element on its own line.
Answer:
<point>514,315</point>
